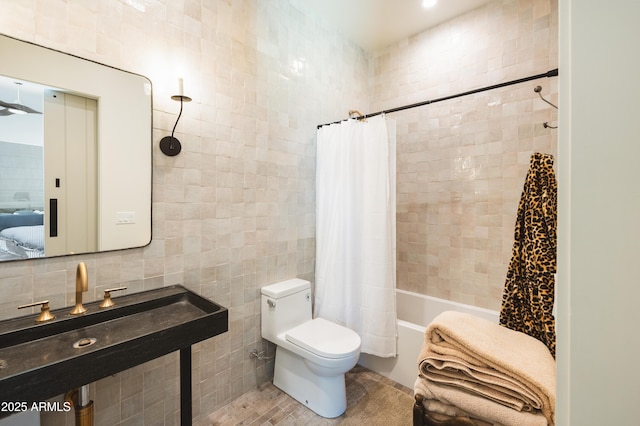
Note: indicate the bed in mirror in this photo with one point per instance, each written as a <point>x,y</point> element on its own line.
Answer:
<point>75,170</point>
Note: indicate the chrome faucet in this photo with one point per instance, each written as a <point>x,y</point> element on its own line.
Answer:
<point>82,285</point>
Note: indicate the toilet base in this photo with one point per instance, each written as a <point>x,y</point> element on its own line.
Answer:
<point>325,395</point>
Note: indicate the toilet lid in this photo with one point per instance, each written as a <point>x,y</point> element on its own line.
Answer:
<point>325,338</point>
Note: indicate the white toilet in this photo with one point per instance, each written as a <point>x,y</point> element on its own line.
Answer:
<point>312,355</point>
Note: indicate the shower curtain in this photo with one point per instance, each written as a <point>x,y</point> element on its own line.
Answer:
<point>355,230</point>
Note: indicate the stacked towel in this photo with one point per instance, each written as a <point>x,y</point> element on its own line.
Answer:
<point>471,366</point>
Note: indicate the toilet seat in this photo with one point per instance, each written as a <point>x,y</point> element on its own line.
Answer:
<point>325,338</point>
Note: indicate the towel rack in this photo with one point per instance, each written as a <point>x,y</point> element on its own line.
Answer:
<point>546,124</point>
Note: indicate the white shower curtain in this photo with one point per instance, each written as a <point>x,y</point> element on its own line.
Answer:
<point>355,230</point>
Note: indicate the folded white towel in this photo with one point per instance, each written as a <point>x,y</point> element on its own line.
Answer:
<point>475,358</point>
<point>454,402</point>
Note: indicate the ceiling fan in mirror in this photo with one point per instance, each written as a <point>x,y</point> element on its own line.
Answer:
<point>17,107</point>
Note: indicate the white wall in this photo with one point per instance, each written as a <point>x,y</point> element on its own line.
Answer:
<point>599,204</point>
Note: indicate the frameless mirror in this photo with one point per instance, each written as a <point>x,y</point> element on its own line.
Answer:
<point>75,168</point>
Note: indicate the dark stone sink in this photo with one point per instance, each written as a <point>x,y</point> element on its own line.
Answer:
<point>39,361</point>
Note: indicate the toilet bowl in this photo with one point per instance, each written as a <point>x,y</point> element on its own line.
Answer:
<point>312,355</point>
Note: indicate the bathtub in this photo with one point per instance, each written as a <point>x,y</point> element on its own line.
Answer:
<point>415,312</point>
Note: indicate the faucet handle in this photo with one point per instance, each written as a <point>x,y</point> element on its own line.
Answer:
<point>107,302</point>
<point>45,314</point>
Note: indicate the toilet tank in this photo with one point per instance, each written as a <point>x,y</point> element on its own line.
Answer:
<point>283,306</point>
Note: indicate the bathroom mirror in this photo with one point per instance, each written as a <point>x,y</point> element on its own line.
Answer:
<point>75,169</point>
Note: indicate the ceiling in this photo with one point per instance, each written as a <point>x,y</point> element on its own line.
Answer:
<point>374,24</point>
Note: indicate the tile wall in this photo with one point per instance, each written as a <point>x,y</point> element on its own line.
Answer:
<point>462,162</point>
<point>235,210</point>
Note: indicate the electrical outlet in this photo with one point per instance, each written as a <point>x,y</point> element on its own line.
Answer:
<point>125,218</point>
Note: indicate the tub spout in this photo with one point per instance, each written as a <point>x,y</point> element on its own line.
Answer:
<point>82,285</point>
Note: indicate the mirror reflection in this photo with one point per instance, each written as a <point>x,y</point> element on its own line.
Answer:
<point>75,170</point>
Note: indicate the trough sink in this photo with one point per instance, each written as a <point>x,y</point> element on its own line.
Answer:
<point>39,361</point>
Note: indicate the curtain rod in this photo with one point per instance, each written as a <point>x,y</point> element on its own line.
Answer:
<point>552,73</point>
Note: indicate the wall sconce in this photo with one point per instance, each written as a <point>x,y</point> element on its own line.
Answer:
<point>169,145</point>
